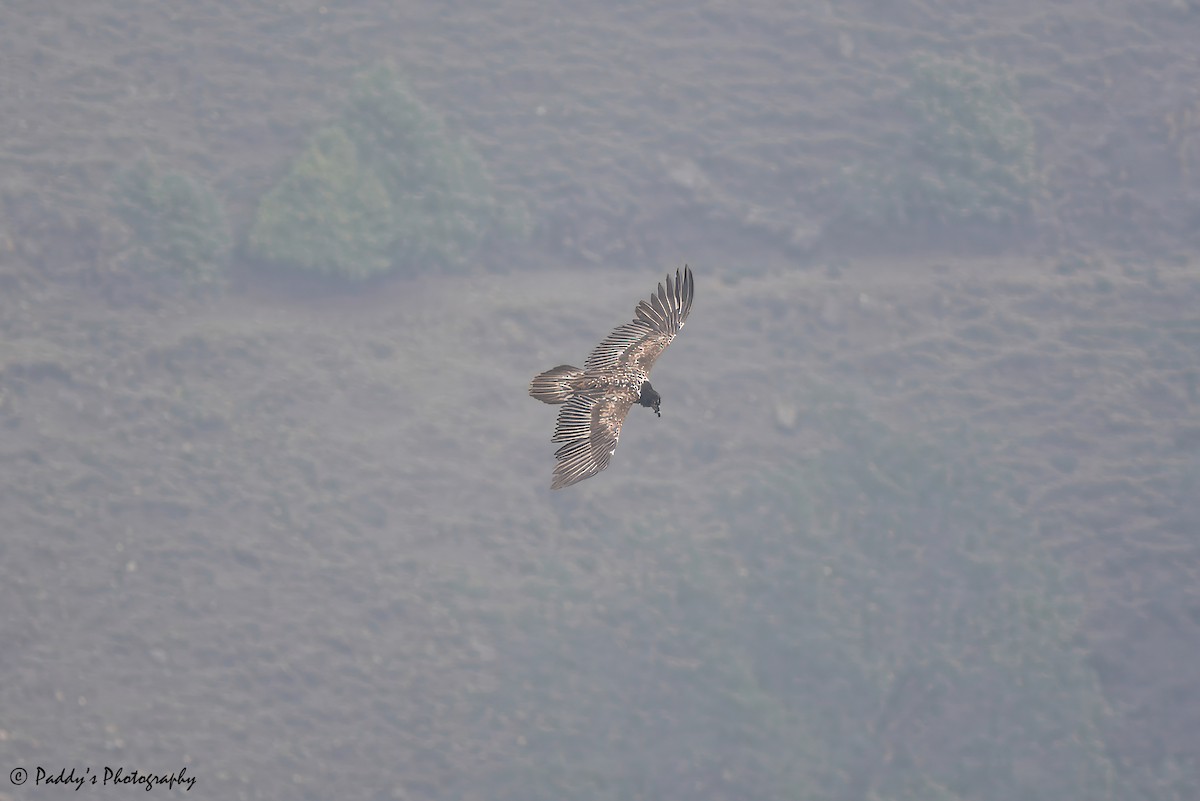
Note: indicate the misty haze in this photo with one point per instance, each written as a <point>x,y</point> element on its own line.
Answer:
<point>920,520</point>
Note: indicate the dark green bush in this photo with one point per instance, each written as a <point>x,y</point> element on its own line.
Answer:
<point>177,222</point>
<point>388,187</point>
<point>969,154</point>
<point>329,214</point>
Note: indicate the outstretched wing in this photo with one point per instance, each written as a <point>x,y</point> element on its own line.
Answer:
<point>590,425</point>
<point>657,321</point>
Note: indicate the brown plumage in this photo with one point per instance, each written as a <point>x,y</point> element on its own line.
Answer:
<point>614,377</point>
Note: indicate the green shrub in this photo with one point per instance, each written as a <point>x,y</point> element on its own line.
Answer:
<point>177,222</point>
<point>329,214</point>
<point>388,187</point>
<point>968,156</point>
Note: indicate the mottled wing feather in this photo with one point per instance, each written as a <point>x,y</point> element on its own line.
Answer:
<point>590,425</point>
<point>640,342</point>
<point>645,352</point>
<point>609,353</point>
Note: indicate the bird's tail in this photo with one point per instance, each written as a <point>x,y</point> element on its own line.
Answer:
<point>556,384</point>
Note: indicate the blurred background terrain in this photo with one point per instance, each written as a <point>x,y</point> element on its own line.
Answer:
<point>919,520</point>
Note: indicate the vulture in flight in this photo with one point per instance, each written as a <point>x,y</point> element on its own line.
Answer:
<point>614,377</point>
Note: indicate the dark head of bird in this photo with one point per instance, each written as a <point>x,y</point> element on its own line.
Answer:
<point>649,398</point>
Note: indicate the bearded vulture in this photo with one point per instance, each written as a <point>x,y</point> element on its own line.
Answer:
<point>614,377</point>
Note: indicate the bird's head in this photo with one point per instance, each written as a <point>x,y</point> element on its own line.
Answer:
<point>649,398</point>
